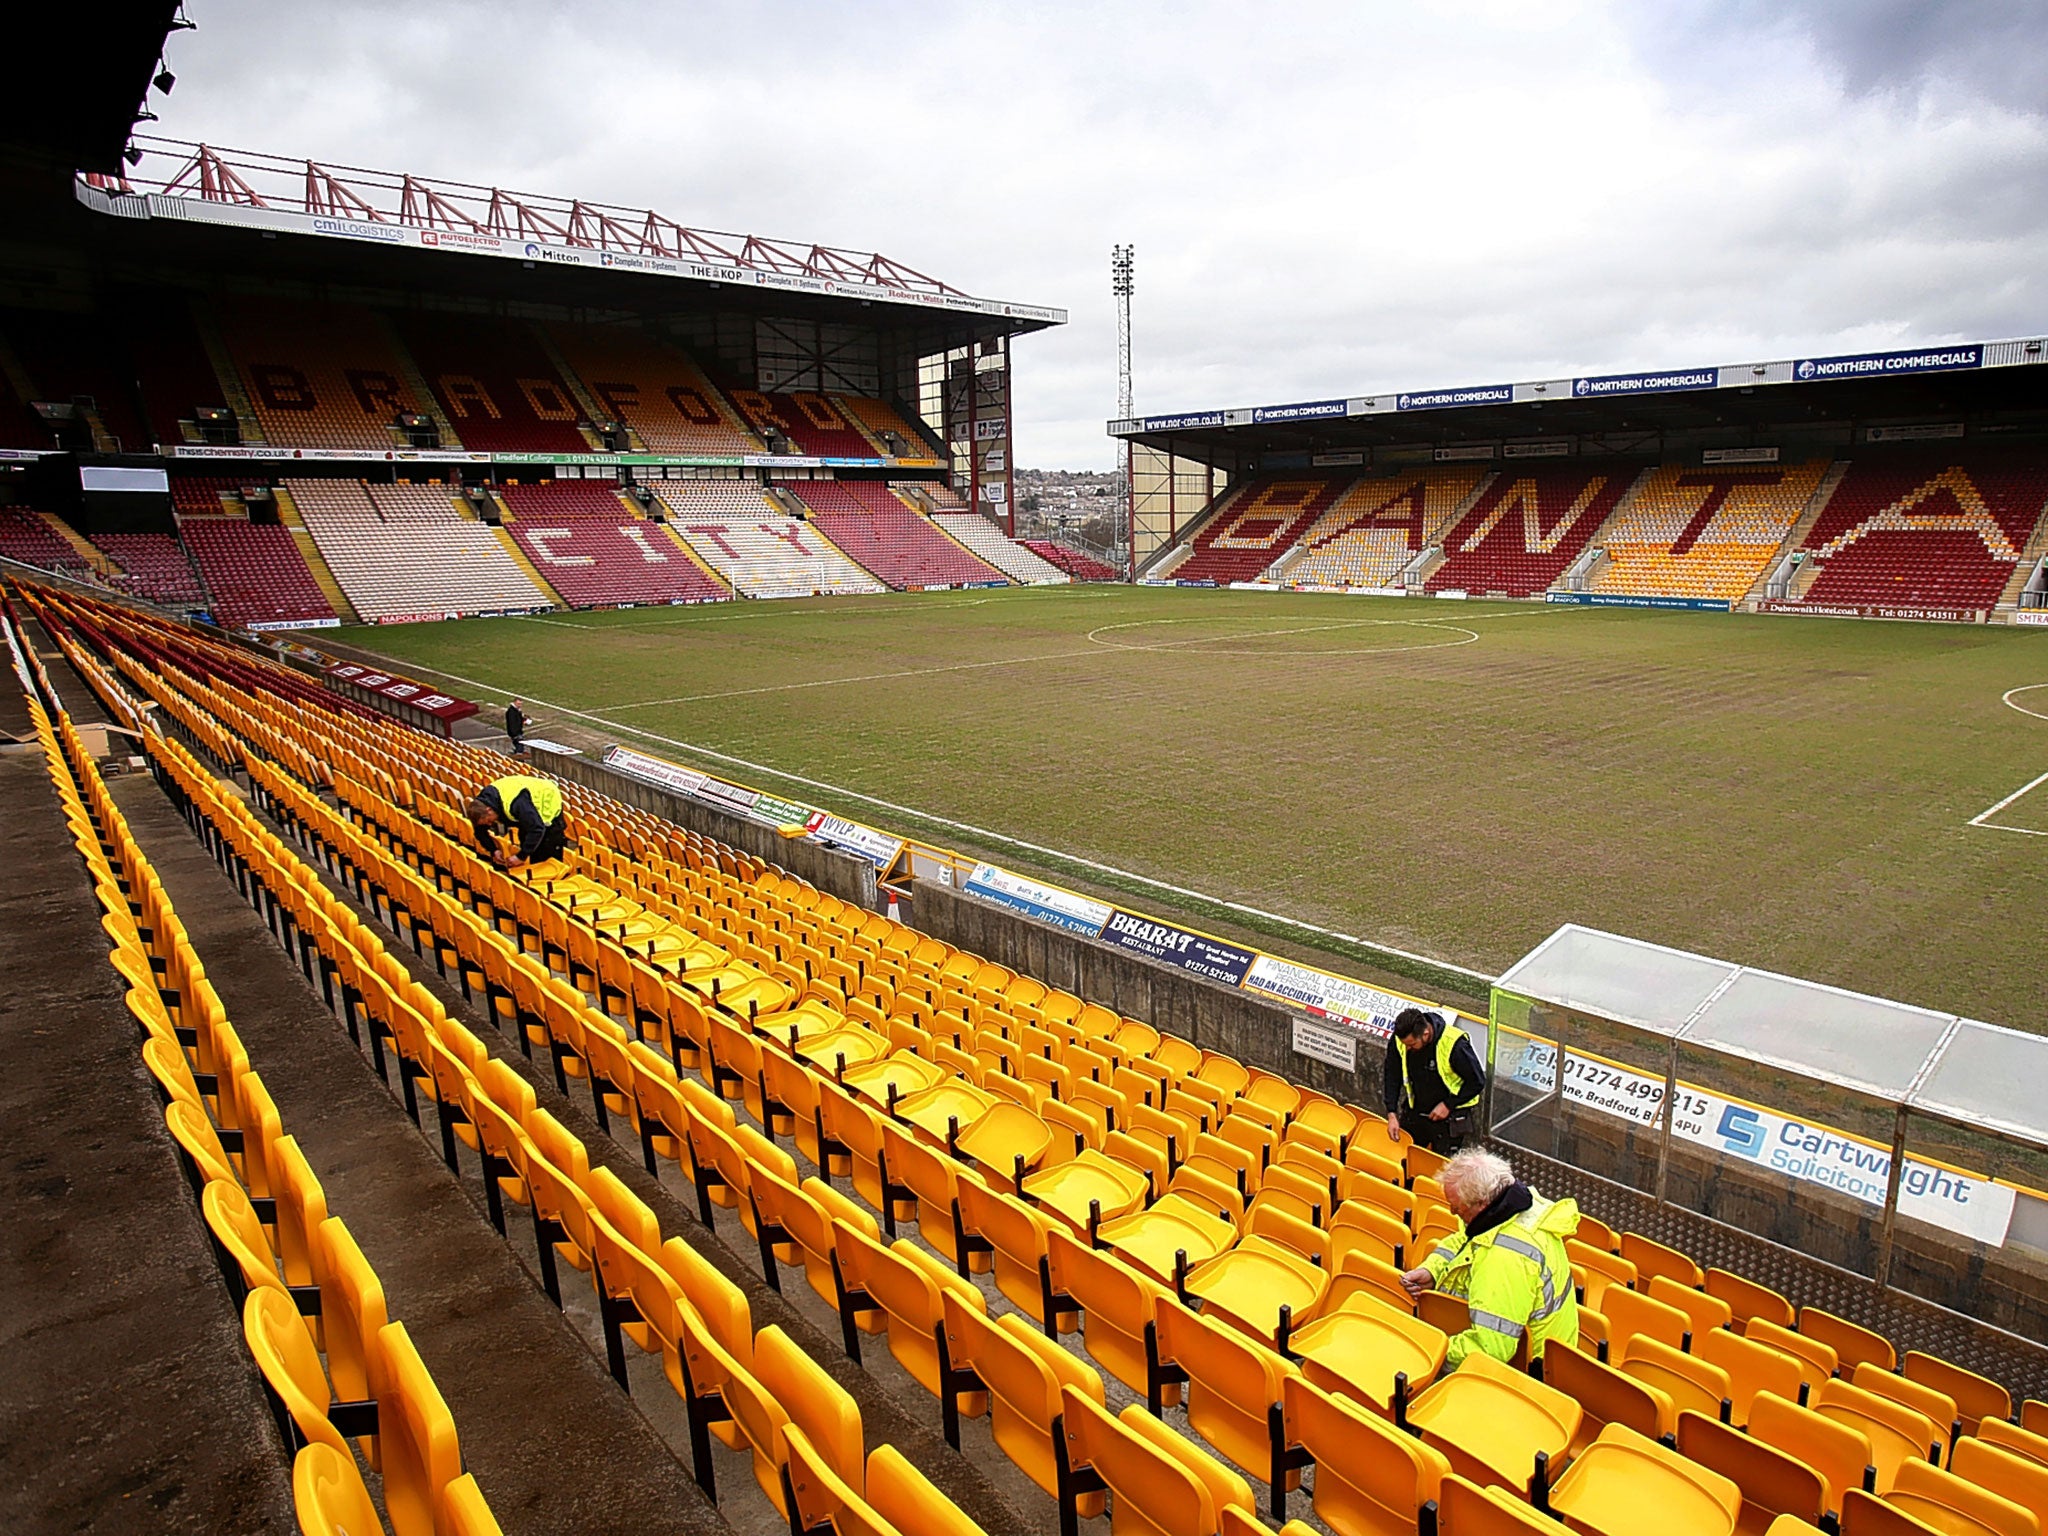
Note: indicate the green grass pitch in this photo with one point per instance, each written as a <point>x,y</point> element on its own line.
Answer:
<point>1454,779</point>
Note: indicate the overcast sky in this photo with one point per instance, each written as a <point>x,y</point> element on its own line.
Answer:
<point>1326,199</point>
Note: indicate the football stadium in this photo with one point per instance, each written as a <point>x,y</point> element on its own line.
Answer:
<point>602,938</point>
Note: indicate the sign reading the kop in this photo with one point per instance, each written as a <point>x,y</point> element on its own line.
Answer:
<point>1177,947</point>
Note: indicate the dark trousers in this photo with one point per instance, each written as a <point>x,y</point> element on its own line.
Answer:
<point>552,841</point>
<point>1440,1136</point>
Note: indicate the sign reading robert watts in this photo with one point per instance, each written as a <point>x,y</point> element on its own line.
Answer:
<point>1177,947</point>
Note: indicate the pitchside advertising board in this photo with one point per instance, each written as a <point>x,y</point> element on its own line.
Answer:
<point>765,810</point>
<point>1957,1202</point>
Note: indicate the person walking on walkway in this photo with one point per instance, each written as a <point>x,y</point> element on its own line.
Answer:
<point>515,727</point>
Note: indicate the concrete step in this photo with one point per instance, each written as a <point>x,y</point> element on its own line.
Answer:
<point>554,1445</point>
<point>131,1405</point>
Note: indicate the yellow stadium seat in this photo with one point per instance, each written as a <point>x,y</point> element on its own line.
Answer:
<point>1623,1474</point>
<point>1023,1375</point>
<point>1158,1483</point>
<point>284,1353</point>
<point>1773,1483</point>
<point>328,1494</point>
<point>1839,1452</point>
<point>415,1436</point>
<point>1954,1504</point>
<point>1493,1422</point>
<point>1371,1479</point>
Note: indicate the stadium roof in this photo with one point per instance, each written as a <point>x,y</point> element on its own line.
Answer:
<point>357,214</point>
<point>80,74</point>
<point>1940,386</point>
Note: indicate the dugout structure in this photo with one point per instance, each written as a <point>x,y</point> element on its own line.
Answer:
<point>1873,1155</point>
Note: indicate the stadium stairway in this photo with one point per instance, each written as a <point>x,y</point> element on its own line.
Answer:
<point>309,551</point>
<point>1795,538</point>
<point>129,1406</point>
<point>227,375</point>
<point>509,1365</point>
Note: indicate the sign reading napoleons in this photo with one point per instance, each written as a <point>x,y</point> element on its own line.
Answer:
<point>1177,947</point>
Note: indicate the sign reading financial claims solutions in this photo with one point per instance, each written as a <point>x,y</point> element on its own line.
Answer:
<point>1326,996</point>
<point>1177,947</point>
<point>1956,1202</point>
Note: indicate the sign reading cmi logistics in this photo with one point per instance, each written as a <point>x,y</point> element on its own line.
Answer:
<point>1177,947</point>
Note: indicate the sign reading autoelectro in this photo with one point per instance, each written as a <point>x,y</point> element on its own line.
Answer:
<point>1858,365</point>
<point>1476,394</point>
<point>1177,947</point>
<point>1645,383</point>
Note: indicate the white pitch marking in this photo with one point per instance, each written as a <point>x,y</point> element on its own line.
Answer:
<point>967,827</point>
<point>1095,637</point>
<point>1983,818</point>
<point>869,677</point>
<point>2028,688</point>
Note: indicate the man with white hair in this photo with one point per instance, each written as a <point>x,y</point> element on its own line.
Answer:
<point>1507,1260</point>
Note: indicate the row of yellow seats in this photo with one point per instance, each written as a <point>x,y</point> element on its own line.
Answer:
<point>1025,1298</point>
<point>740,1383</point>
<point>736,1164</point>
<point>306,1286</point>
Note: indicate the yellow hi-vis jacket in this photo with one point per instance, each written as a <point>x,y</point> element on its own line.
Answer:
<point>1515,1278</point>
<point>1447,1040</point>
<point>547,795</point>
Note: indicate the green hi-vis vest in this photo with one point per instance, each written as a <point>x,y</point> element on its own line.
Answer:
<point>1446,1041</point>
<point>547,795</point>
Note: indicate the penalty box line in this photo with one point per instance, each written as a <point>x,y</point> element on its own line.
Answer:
<point>1983,818</point>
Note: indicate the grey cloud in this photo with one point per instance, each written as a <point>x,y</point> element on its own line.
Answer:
<point>1328,196</point>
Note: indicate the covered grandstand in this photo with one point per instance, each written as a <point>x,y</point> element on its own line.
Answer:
<point>516,396</point>
<point>1910,483</point>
